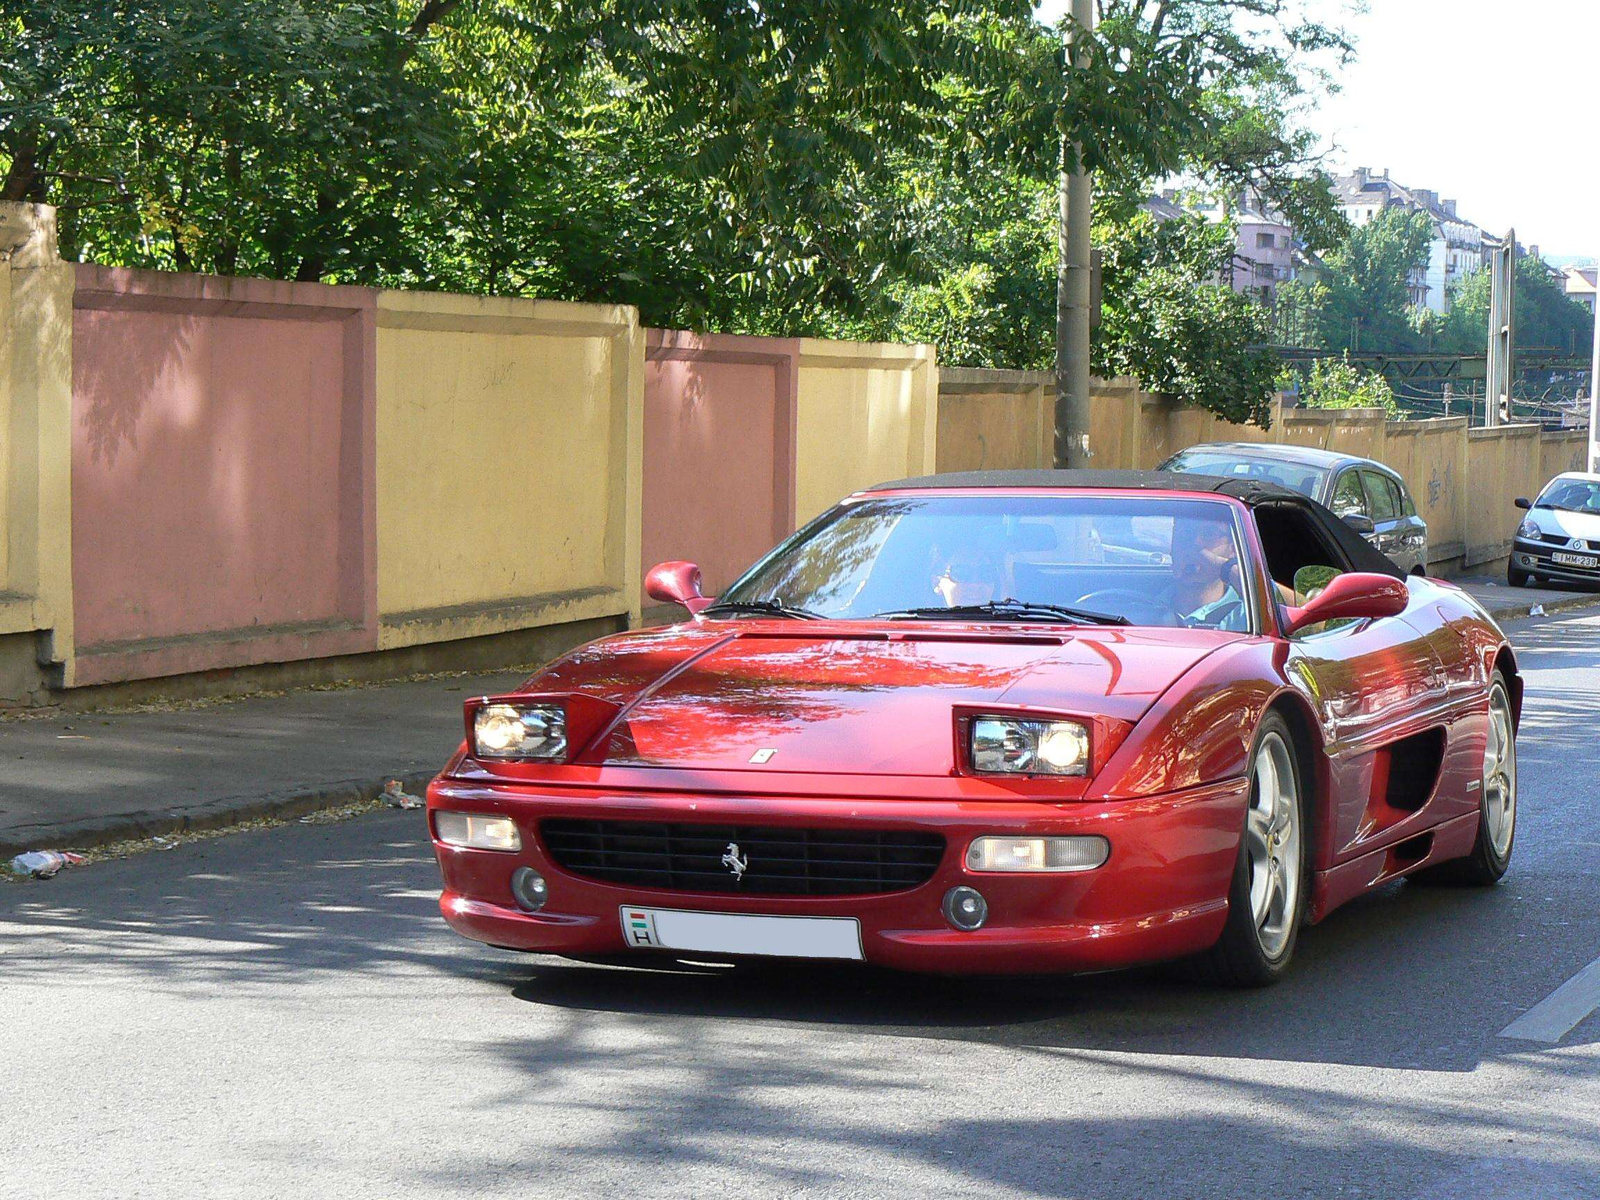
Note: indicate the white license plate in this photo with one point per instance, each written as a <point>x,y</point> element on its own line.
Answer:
<point>1576,560</point>
<point>739,933</point>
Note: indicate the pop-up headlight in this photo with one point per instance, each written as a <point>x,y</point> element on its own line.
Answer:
<point>1015,746</point>
<point>507,730</point>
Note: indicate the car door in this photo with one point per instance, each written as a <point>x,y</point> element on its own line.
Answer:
<point>1414,537</point>
<point>1348,496</point>
<point>1370,683</point>
<point>1389,533</point>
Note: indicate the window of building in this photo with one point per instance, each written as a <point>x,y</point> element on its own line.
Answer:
<point>1265,241</point>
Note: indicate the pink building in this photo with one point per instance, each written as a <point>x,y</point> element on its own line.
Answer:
<point>1265,253</point>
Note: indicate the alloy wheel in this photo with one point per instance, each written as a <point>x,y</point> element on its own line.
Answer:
<point>1272,840</point>
<point>1500,775</point>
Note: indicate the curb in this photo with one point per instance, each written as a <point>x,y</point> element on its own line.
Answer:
<point>214,814</point>
<point>1515,612</point>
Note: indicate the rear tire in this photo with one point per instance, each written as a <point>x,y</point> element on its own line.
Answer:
<point>1267,899</point>
<point>1516,576</point>
<point>1497,803</point>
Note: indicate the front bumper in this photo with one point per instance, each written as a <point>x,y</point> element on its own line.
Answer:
<point>1535,557</point>
<point>1161,894</point>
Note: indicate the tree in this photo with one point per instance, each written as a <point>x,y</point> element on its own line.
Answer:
<point>1169,323</point>
<point>1338,383</point>
<point>1368,283</point>
<point>1546,318</point>
<point>795,166</point>
<point>257,136</point>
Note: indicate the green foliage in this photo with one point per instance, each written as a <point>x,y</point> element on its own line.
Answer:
<point>1337,383</point>
<point>255,137</point>
<point>1297,313</point>
<point>1368,302</point>
<point>1546,318</point>
<point>797,166</point>
<point>1168,323</point>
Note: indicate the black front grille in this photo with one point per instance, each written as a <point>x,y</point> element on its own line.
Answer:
<point>777,861</point>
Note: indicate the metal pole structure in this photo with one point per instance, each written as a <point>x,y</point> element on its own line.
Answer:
<point>1073,282</point>
<point>1594,393</point>
<point>1502,295</point>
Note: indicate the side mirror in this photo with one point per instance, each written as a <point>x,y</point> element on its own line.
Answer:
<point>1354,596</point>
<point>1360,522</point>
<point>1523,502</point>
<point>676,583</point>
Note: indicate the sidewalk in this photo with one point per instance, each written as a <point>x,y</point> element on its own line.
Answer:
<point>1506,603</point>
<point>86,779</point>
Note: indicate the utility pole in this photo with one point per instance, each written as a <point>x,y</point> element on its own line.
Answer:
<point>1502,324</point>
<point>1073,279</point>
<point>1594,394</point>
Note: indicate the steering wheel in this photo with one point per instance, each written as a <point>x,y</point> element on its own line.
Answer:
<point>1136,606</point>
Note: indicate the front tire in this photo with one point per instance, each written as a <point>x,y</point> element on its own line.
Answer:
<point>1497,802</point>
<point>1267,899</point>
<point>1516,576</point>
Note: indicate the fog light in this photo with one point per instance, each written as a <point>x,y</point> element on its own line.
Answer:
<point>965,908</point>
<point>529,888</point>
<point>476,831</point>
<point>1037,854</point>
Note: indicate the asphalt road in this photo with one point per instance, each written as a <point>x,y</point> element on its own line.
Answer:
<point>283,1013</point>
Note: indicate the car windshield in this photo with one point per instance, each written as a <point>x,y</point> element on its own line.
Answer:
<point>1121,559</point>
<point>1303,478</point>
<point>1572,495</point>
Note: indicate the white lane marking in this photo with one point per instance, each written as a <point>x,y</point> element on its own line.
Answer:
<point>1552,1018</point>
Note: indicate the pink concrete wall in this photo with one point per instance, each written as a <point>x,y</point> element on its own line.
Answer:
<point>223,449</point>
<point>719,443</point>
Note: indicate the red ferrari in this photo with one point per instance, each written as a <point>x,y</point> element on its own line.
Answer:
<point>1023,721</point>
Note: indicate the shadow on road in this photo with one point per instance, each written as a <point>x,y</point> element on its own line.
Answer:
<point>1376,984</point>
<point>716,1073</point>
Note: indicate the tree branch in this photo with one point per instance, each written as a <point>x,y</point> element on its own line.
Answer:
<point>429,15</point>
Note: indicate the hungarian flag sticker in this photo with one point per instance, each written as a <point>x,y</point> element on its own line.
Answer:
<point>639,927</point>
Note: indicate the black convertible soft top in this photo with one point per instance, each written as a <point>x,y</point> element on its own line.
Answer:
<point>1254,493</point>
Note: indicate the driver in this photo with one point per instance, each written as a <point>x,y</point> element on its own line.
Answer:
<point>967,576</point>
<point>1205,574</point>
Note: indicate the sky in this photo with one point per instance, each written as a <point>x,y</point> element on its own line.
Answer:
<point>1495,105</point>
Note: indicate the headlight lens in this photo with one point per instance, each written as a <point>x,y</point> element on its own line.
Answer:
<point>520,731</point>
<point>1083,853</point>
<point>1010,746</point>
<point>477,831</point>
<point>1527,530</point>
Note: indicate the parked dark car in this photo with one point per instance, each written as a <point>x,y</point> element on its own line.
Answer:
<point>1372,499</point>
<point>1560,539</point>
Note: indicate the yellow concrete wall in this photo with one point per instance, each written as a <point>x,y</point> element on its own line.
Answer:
<point>1502,464</point>
<point>1463,480</point>
<point>35,430</point>
<point>1431,457</point>
<point>995,420</point>
<point>865,413</point>
<point>509,457</point>
<point>1567,450</point>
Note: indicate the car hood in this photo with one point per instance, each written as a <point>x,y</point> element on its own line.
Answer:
<point>840,699</point>
<point>1568,524</point>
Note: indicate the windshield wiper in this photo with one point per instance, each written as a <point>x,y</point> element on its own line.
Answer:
<point>765,608</point>
<point>1007,610</point>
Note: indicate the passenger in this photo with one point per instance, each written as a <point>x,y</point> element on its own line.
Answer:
<point>967,577</point>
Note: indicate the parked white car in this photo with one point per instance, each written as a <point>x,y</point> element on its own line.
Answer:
<point>1560,539</point>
